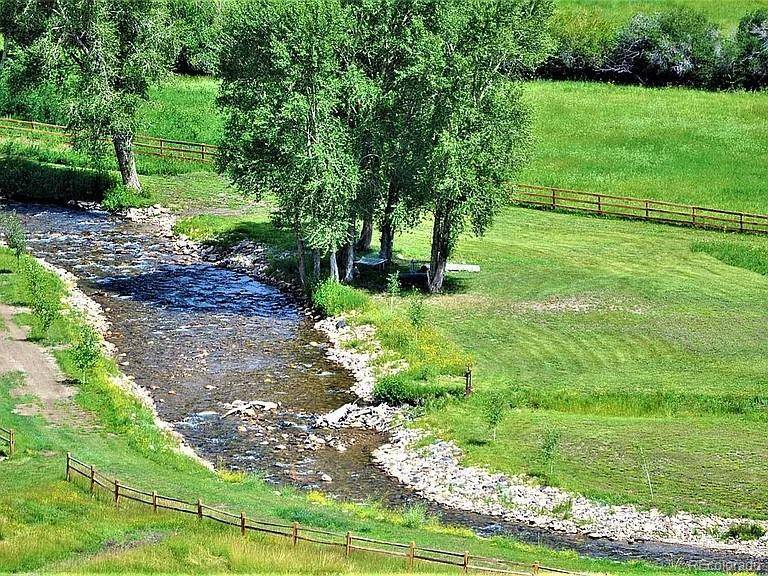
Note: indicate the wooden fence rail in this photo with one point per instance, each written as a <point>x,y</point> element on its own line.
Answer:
<point>296,533</point>
<point>8,440</point>
<point>145,145</point>
<point>640,209</point>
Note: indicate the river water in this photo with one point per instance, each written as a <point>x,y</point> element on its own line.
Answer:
<point>199,337</point>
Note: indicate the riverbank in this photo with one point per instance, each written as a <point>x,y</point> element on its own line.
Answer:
<point>435,470</point>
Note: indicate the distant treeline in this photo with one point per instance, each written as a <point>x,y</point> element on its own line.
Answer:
<point>679,47</point>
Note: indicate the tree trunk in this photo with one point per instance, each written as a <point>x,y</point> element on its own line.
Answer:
<point>388,222</point>
<point>126,161</point>
<point>300,258</point>
<point>441,246</point>
<point>348,255</point>
<point>334,266</point>
<point>316,265</point>
<point>366,235</point>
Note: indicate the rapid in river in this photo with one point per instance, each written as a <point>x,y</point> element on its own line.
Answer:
<point>199,337</point>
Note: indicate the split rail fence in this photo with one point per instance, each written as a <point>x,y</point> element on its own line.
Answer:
<point>641,209</point>
<point>7,440</point>
<point>525,194</point>
<point>145,145</point>
<point>294,533</point>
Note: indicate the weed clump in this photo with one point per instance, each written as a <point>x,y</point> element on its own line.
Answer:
<point>334,298</point>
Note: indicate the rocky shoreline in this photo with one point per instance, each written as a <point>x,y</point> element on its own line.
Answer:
<point>435,471</point>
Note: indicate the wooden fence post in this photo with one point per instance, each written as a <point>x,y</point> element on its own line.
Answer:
<point>741,222</point>
<point>693,215</point>
<point>468,381</point>
<point>295,533</point>
<point>348,547</point>
<point>554,199</point>
<point>535,569</point>
<point>69,474</point>
<point>242,523</point>
<point>646,210</point>
<point>11,442</point>
<point>411,554</point>
<point>154,501</point>
<point>93,479</point>
<point>202,152</point>
<point>599,204</point>
<point>199,509</point>
<point>466,561</point>
<point>117,494</point>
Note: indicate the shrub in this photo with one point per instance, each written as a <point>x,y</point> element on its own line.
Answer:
<point>121,197</point>
<point>494,410</point>
<point>27,180</point>
<point>549,448</point>
<point>86,349</point>
<point>582,44</point>
<point>334,298</point>
<point>749,51</point>
<point>43,293</point>
<point>744,531</point>
<point>416,311</point>
<point>14,234</point>
<point>676,47</point>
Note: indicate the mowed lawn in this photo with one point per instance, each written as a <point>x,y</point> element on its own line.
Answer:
<point>690,146</point>
<point>725,13</point>
<point>635,349</point>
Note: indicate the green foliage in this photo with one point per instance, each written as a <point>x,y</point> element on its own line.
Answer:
<point>120,197</point>
<point>744,531</point>
<point>28,180</point>
<point>417,312</point>
<point>86,348</point>
<point>749,51</point>
<point>393,287</point>
<point>494,410</point>
<point>197,34</point>
<point>549,448</point>
<point>582,43</point>
<point>44,292</point>
<point>414,387</point>
<point>333,298</point>
<point>13,233</point>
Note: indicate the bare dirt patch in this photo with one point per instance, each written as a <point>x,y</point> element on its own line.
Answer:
<point>43,379</point>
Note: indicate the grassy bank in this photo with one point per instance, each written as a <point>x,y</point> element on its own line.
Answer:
<point>48,525</point>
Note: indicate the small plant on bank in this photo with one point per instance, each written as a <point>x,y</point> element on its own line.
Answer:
<point>744,531</point>
<point>494,410</point>
<point>416,310</point>
<point>415,516</point>
<point>86,350</point>
<point>393,287</point>
<point>550,448</point>
<point>14,234</point>
<point>563,510</point>
<point>44,298</point>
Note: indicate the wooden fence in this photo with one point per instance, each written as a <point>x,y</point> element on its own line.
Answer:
<point>145,145</point>
<point>641,209</point>
<point>7,440</point>
<point>295,533</point>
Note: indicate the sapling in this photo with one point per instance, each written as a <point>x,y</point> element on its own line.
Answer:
<point>494,410</point>
<point>14,234</point>
<point>393,287</point>
<point>550,445</point>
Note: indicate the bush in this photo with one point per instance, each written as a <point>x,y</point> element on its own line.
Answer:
<point>334,298</point>
<point>13,233</point>
<point>44,295</point>
<point>86,349</point>
<point>749,51</point>
<point>582,46</point>
<point>744,531</point>
<point>27,180</point>
<point>677,47</point>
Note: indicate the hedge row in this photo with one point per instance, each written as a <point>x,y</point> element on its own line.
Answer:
<point>679,47</point>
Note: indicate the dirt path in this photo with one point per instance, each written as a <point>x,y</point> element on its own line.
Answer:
<point>43,379</point>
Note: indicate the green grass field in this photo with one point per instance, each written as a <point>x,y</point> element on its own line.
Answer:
<point>674,144</point>
<point>725,13</point>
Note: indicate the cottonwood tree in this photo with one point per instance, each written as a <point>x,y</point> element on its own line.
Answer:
<point>286,80</point>
<point>115,50</point>
<point>472,132</point>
